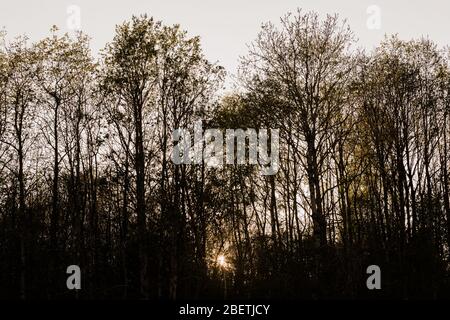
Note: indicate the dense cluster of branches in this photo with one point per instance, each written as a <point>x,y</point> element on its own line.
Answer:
<point>86,175</point>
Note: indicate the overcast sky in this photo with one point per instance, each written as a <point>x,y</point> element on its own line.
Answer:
<point>227,26</point>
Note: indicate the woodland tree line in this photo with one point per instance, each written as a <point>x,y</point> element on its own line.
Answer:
<point>86,175</point>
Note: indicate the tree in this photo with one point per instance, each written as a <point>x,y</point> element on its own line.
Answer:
<point>307,60</point>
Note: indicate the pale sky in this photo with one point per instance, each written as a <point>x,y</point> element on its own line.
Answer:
<point>225,27</point>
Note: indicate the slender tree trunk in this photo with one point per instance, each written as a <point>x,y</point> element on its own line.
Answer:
<point>140,200</point>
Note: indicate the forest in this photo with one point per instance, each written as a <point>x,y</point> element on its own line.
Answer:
<point>87,177</point>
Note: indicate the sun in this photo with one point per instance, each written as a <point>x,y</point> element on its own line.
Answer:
<point>221,261</point>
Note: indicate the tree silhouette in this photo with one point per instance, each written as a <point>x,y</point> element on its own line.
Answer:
<point>87,175</point>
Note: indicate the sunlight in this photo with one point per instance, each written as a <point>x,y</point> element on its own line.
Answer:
<point>221,261</point>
